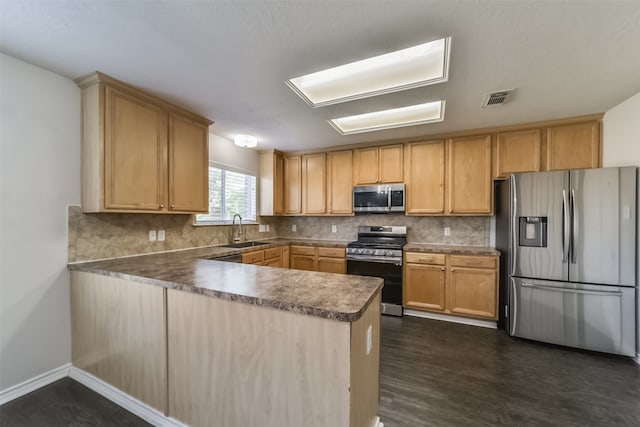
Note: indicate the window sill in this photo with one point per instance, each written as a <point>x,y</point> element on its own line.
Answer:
<point>218,223</point>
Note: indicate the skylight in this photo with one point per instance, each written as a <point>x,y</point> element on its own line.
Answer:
<point>420,65</point>
<point>388,119</point>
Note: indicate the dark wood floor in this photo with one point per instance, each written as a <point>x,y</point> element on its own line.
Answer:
<point>443,374</point>
<point>432,374</point>
<point>65,403</point>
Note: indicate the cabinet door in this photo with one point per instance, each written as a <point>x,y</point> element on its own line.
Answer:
<point>340,182</point>
<point>473,292</point>
<point>469,181</point>
<point>332,265</point>
<point>292,185</point>
<point>285,257</point>
<point>314,173</point>
<point>303,262</point>
<point>574,146</point>
<point>271,195</point>
<point>517,151</point>
<point>188,165</point>
<point>391,168</point>
<point>425,177</point>
<point>135,153</point>
<point>365,162</point>
<point>424,287</point>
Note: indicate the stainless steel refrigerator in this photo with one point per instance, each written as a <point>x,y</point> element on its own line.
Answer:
<point>570,244</point>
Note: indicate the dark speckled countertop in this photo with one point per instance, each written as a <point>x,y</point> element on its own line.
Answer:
<point>451,249</point>
<point>327,295</point>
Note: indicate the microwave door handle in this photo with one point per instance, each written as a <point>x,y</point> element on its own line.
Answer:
<point>388,197</point>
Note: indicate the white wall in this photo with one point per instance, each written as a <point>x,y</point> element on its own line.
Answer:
<point>39,176</point>
<point>621,142</point>
<point>226,153</point>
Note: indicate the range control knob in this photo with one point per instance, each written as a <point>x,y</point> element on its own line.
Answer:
<point>359,251</point>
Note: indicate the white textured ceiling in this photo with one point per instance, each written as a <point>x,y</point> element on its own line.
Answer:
<point>228,60</point>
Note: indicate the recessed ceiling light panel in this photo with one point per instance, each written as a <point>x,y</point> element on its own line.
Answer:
<point>421,65</point>
<point>388,119</point>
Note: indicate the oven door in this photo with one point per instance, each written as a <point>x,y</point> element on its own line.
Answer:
<point>391,272</point>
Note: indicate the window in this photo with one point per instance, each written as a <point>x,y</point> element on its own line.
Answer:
<point>230,192</point>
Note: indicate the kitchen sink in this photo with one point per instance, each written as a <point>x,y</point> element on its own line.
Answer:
<point>244,245</point>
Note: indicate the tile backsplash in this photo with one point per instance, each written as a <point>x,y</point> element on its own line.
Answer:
<point>420,229</point>
<point>98,236</point>
<point>106,235</point>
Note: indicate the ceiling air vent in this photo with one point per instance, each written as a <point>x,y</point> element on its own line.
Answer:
<point>497,98</point>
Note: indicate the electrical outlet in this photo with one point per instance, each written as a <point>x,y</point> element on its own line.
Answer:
<point>268,228</point>
<point>160,235</point>
<point>369,339</point>
<point>152,235</point>
<point>294,228</point>
<point>334,228</point>
<point>447,231</point>
<point>261,228</point>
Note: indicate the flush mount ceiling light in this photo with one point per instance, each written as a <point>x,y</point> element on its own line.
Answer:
<point>421,65</point>
<point>411,115</point>
<point>245,141</point>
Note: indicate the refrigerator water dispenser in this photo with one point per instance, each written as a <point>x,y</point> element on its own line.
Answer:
<point>533,231</point>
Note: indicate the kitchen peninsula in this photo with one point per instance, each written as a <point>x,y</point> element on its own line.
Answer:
<point>217,343</point>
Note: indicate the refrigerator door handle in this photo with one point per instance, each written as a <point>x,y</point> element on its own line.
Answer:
<point>570,290</point>
<point>574,227</point>
<point>565,227</point>
<point>513,313</point>
<point>513,225</point>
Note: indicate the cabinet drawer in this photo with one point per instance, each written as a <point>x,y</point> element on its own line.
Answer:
<point>303,250</point>
<point>253,257</point>
<point>473,261</point>
<point>331,252</point>
<point>272,253</point>
<point>421,258</point>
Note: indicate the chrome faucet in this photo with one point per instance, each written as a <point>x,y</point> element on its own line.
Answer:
<point>235,239</point>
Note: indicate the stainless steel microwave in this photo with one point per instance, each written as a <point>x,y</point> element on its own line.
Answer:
<point>378,198</point>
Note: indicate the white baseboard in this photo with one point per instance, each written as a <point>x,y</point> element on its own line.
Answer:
<point>491,324</point>
<point>120,398</point>
<point>14,392</point>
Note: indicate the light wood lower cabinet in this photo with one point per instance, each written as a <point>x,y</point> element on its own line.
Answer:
<point>271,257</point>
<point>452,284</point>
<point>325,259</point>
<point>118,335</point>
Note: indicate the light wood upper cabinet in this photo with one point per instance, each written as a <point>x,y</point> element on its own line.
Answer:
<point>425,177</point>
<point>574,146</point>
<point>314,190</point>
<point>517,151</point>
<point>469,183</point>
<point>340,182</point>
<point>292,184</point>
<point>188,164</point>
<point>378,165</point>
<point>135,147</point>
<point>140,153</point>
<point>271,183</point>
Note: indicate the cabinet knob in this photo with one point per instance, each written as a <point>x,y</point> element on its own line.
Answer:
<point>173,206</point>
<point>441,268</point>
<point>161,206</point>
<point>451,210</point>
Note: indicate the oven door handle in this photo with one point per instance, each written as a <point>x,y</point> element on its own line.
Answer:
<point>381,260</point>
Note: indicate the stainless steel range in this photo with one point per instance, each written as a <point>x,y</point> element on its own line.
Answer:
<point>378,253</point>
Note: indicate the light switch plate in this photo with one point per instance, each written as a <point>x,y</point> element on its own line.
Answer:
<point>161,236</point>
<point>334,228</point>
<point>268,227</point>
<point>447,231</point>
<point>261,228</point>
<point>152,235</point>
<point>293,227</point>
